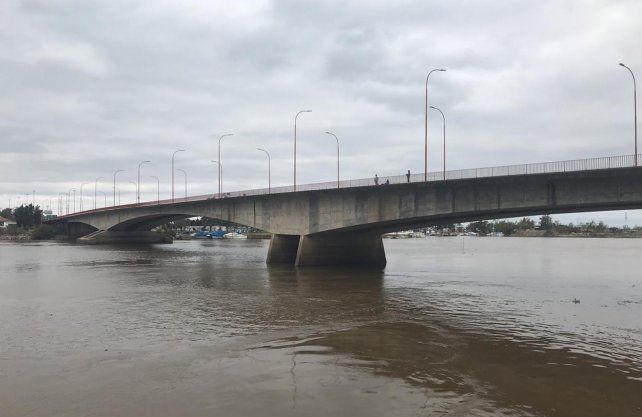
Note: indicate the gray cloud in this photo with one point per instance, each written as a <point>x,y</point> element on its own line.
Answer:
<point>93,86</point>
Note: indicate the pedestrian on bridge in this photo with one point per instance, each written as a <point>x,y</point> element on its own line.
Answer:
<point>376,180</point>
<point>408,176</point>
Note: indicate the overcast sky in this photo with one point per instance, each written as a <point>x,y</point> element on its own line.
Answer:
<point>89,87</point>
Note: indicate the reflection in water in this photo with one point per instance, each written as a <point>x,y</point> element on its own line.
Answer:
<point>206,328</point>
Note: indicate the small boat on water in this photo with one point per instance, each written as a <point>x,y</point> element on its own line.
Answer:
<point>234,235</point>
<point>204,234</point>
<point>399,235</point>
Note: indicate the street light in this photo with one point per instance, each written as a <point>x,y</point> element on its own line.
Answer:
<point>135,187</point>
<point>138,186</point>
<point>295,118</point>
<point>220,168</point>
<point>105,197</point>
<point>269,169</point>
<point>174,154</point>
<point>73,190</point>
<point>444,118</point>
<point>157,188</point>
<point>335,136</point>
<point>95,188</point>
<point>81,185</point>
<point>184,172</point>
<point>426,126</point>
<point>60,205</point>
<point>635,112</point>
<point>115,173</point>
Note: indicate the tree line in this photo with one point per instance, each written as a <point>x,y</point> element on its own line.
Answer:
<point>25,216</point>
<point>545,224</point>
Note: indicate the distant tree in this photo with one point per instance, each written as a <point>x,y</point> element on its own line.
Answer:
<point>28,216</point>
<point>525,224</point>
<point>7,213</point>
<point>601,227</point>
<point>505,227</point>
<point>546,222</point>
<point>481,227</point>
<point>43,232</point>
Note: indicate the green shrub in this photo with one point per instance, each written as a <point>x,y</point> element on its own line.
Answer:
<point>43,232</point>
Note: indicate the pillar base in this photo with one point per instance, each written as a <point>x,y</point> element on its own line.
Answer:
<point>283,249</point>
<point>341,249</point>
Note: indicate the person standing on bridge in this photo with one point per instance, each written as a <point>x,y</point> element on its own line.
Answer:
<point>376,179</point>
<point>408,176</point>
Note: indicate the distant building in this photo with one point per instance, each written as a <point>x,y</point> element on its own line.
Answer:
<point>48,215</point>
<point>4,223</point>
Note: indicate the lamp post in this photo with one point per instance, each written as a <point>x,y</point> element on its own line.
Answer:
<point>185,173</point>
<point>67,202</point>
<point>335,136</point>
<point>135,188</point>
<point>295,119</point>
<point>635,112</point>
<point>157,189</point>
<point>73,199</point>
<point>105,198</point>
<point>269,169</point>
<point>115,173</point>
<point>138,186</point>
<point>444,119</point>
<point>60,205</point>
<point>95,189</point>
<point>220,168</point>
<point>81,185</point>
<point>174,154</point>
<point>426,126</point>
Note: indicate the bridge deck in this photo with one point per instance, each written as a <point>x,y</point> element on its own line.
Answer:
<point>577,165</point>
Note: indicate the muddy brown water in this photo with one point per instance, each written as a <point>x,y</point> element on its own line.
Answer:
<point>453,326</point>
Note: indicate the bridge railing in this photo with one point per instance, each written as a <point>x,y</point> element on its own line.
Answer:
<point>622,161</point>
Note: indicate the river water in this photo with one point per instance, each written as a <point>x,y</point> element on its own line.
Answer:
<point>453,326</point>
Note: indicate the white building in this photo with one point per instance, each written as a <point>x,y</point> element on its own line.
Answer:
<point>4,223</point>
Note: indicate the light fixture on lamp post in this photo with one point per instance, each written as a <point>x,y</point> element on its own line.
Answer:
<point>269,169</point>
<point>426,125</point>
<point>295,119</point>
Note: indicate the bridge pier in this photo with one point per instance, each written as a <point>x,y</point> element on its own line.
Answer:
<point>341,249</point>
<point>283,249</point>
<point>328,249</point>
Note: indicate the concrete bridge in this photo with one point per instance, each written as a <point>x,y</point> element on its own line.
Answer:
<point>320,225</point>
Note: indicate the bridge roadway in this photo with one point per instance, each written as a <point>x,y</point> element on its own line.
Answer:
<point>319,225</point>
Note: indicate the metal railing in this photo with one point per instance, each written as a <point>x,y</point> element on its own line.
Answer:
<point>611,162</point>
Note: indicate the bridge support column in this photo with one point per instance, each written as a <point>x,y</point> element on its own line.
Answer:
<point>341,249</point>
<point>283,249</point>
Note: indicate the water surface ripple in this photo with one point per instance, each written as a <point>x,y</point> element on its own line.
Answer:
<point>453,326</point>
